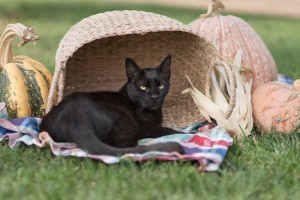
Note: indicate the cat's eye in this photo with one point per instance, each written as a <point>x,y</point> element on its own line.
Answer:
<point>161,86</point>
<point>143,88</point>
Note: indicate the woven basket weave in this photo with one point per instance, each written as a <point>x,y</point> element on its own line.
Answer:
<point>91,57</point>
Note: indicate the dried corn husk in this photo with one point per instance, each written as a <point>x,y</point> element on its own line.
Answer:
<point>240,122</point>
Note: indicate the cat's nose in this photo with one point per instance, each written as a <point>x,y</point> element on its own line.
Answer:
<point>154,96</point>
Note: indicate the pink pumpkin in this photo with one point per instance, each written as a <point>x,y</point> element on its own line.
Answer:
<point>229,34</point>
<point>277,105</point>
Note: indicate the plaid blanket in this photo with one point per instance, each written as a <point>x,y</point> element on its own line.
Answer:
<point>284,78</point>
<point>18,130</point>
<point>204,144</point>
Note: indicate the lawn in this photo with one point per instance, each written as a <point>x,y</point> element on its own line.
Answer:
<point>257,167</point>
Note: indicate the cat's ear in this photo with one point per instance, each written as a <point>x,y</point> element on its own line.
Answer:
<point>132,69</point>
<point>165,66</point>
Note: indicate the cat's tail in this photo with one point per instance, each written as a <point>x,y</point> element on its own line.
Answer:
<point>85,138</point>
<point>95,146</point>
<point>161,147</point>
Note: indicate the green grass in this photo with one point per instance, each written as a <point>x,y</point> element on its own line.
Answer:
<point>257,167</point>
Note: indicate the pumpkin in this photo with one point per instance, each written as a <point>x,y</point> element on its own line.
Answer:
<point>229,34</point>
<point>25,82</point>
<point>276,105</point>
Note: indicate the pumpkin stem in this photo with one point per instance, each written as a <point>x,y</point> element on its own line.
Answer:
<point>6,40</point>
<point>213,9</point>
<point>296,85</point>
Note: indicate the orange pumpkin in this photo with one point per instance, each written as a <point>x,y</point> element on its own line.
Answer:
<point>277,105</point>
<point>229,34</point>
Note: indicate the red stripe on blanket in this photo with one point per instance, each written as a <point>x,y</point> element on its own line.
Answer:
<point>203,141</point>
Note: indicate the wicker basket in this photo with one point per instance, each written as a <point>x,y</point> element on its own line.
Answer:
<point>91,57</point>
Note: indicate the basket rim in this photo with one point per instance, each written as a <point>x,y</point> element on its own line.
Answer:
<point>174,26</point>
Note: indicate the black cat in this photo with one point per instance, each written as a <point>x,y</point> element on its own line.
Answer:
<point>111,123</point>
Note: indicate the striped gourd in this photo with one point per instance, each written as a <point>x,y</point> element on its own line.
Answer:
<point>25,82</point>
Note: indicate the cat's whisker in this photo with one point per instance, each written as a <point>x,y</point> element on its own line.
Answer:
<point>140,108</point>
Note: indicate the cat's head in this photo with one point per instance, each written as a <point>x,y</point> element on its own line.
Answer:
<point>147,88</point>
